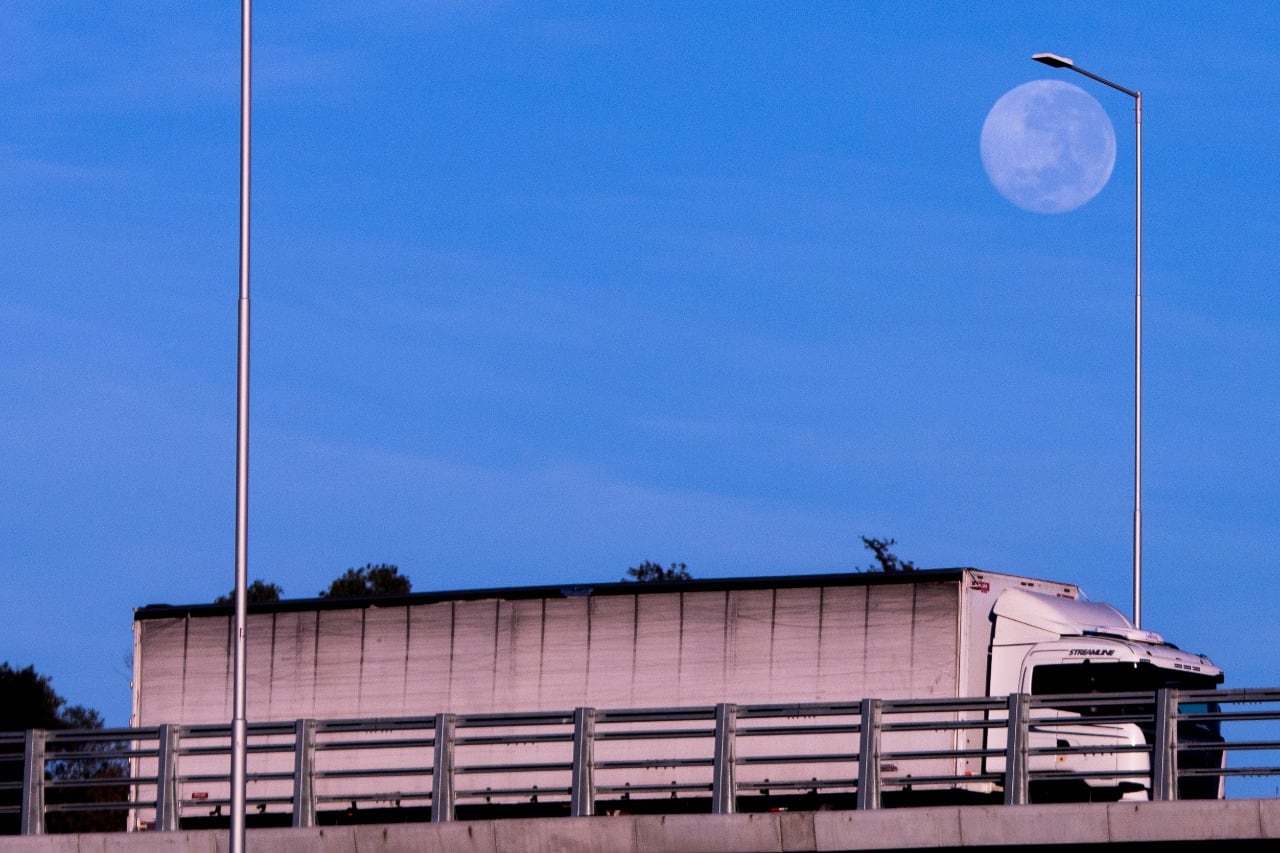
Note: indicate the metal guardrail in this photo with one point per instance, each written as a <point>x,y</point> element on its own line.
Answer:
<point>580,760</point>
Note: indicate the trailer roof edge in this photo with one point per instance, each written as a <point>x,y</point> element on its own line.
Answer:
<point>567,590</point>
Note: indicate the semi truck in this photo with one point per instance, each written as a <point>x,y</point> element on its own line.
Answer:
<point>785,641</point>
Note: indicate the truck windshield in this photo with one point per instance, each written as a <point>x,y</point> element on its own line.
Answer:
<point>1118,677</point>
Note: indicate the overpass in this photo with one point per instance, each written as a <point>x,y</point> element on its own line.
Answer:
<point>1229,825</point>
<point>422,783</point>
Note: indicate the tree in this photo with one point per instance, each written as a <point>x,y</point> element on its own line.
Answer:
<point>382,579</point>
<point>28,701</point>
<point>257,592</point>
<point>648,572</point>
<point>887,560</point>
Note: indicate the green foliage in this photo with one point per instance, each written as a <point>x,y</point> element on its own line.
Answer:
<point>28,701</point>
<point>648,572</point>
<point>382,579</point>
<point>257,592</point>
<point>886,560</point>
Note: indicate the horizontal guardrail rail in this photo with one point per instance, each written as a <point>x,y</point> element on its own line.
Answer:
<point>1167,745</point>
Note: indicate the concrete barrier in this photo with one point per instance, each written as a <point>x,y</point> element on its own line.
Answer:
<point>786,832</point>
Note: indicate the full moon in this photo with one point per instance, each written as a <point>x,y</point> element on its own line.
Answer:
<point>1048,146</point>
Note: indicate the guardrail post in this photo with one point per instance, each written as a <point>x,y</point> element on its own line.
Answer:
<point>442,770</point>
<point>167,805</point>
<point>582,798</point>
<point>1017,780</point>
<point>1164,752</point>
<point>33,783</point>
<point>304,772</point>
<point>724,782</point>
<point>869,753</point>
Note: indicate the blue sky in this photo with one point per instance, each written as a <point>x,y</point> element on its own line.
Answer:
<point>541,291</point>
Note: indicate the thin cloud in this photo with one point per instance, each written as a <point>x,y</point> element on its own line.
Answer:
<point>20,169</point>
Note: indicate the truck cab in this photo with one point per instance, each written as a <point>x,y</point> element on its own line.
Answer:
<point>1048,646</point>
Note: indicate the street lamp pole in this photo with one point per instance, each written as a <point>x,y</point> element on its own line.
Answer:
<point>239,724</point>
<point>1055,61</point>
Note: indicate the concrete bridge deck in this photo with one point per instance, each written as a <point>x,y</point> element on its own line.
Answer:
<point>1130,826</point>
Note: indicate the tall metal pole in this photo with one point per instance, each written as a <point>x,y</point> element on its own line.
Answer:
<point>1137,378</point>
<point>1055,61</point>
<point>239,725</point>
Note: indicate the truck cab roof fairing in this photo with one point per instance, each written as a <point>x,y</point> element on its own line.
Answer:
<point>1067,617</point>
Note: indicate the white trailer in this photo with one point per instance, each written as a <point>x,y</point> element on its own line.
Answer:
<point>938,634</point>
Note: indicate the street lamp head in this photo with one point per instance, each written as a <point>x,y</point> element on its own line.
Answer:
<point>1053,60</point>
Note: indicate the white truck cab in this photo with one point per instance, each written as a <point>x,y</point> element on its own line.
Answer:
<point>1047,645</point>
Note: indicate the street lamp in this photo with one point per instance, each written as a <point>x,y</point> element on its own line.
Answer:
<point>1055,61</point>
<point>239,724</point>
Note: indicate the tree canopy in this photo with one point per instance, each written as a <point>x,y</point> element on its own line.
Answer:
<point>648,572</point>
<point>28,701</point>
<point>886,560</point>
<point>369,579</point>
<point>257,592</point>
<point>382,579</point>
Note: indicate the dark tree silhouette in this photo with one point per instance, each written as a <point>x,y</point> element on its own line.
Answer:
<point>886,560</point>
<point>28,701</point>
<point>382,579</point>
<point>257,592</point>
<point>648,572</point>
